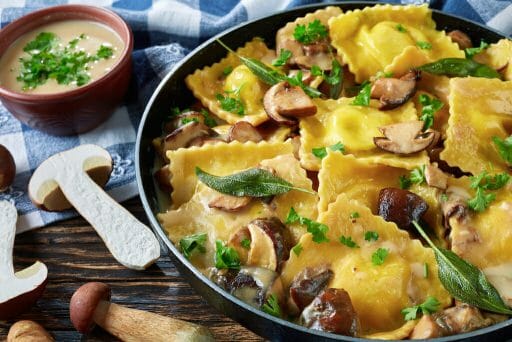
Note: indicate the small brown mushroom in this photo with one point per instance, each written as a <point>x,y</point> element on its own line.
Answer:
<point>229,203</point>
<point>28,331</point>
<point>163,178</point>
<point>283,100</point>
<point>332,311</point>
<point>393,92</point>
<point>406,137</point>
<point>401,207</point>
<point>243,131</point>
<point>7,168</point>
<point>461,39</point>
<point>182,136</point>
<point>435,177</point>
<point>306,286</point>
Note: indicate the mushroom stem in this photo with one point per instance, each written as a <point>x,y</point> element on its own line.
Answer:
<point>28,331</point>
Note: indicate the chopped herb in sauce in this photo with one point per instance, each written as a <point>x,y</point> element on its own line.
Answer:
<point>354,215</point>
<point>227,70</point>
<point>191,243</point>
<point>231,104</point>
<point>371,236</point>
<point>401,28</point>
<point>347,241</point>
<point>317,229</point>
<point>246,243</point>
<point>363,98</point>
<point>310,33</point>
<point>282,59</point>
<point>297,249</point>
<point>379,256</point>
<point>429,106</point>
<point>321,152</point>
<point>504,147</point>
<point>226,257</point>
<point>471,52</point>
<point>429,306</point>
<point>272,306</point>
<point>424,45</point>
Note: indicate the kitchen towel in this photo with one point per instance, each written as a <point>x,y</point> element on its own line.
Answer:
<point>165,31</point>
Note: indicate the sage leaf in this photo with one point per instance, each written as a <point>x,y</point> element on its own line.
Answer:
<point>253,183</point>
<point>464,281</point>
<point>459,67</point>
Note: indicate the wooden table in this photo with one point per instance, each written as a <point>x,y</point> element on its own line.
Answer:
<point>75,254</point>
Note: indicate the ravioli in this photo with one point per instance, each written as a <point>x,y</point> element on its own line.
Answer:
<point>498,56</point>
<point>370,39</point>
<point>196,216</point>
<point>480,109</point>
<point>378,292</point>
<point>240,84</point>
<point>219,159</point>
<point>355,127</point>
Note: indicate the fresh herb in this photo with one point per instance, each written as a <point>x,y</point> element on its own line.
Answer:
<point>401,28</point>
<point>104,52</point>
<point>354,215</point>
<point>488,182</point>
<point>321,152</point>
<point>43,42</point>
<point>246,243</point>
<point>504,147</point>
<point>459,67</point>
<point>282,59</point>
<point>191,243</point>
<point>425,270</point>
<point>429,306</point>
<point>481,200</point>
<point>363,98</point>
<point>208,120</point>
<point>347,241</point>
<point>311,33</point>
<point>317,229</point>
<point>444,197</point>
<point>272,306</point>
<point>404,182</point>
<point>379,256</point>
<point>297,249</point>
<point>371,236</point>
<point>418,175</point>
<point>226,257</point>
<point>382,74</point>
<point>231,104</point>
<point>471,52</point>
<point>227,70</point>
<point>253,183</point>
<point>424,45</point>
<point>185,121</point>
<point>464,281</point>
<point>429,106</point>
<point>334,78</point>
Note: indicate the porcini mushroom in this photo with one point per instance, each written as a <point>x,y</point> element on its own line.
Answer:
<point>435,177</point>
<point>18,291</point>
<point>7,168</point>
<point>130,242</point>
<point>183,135</point>
<point>462,39</point>
<point>393,92</point>
<point>28,331</point>
<point>307,285</point>
<point>229,203</point>
<point>243,131</point>
<point>401,207</point>
<point>91,305</point>
<point>283,101</point>
<point>406,137</point>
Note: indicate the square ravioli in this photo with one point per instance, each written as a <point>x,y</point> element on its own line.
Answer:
<point>370,39</point>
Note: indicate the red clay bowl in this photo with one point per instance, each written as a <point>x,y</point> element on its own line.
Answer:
<point>81,109</point>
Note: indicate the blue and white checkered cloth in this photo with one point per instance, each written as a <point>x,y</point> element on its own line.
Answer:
<point>165,31</point>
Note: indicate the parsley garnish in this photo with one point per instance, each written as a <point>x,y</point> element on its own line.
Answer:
<point>246,243</point>
<point>227,70</point>
<point>185,121</point>
<point>417,177</point>
<point>316,229</point>
<point>208,120</point>
<point>401,28</point>
<point>363,98</point>
<point>481,200</point>
<point>193,242</point>
<point>347,241</point>
<point>311,33</point>
<point>297,249</point>
<point>471,52</point>
<point>226,257</point>
<point>231,104</point>
<point>354,215</point>
<point>334,76</point>
<point>429,306</point>
<point>371,236</point>
<point>504,147</point>
<point>282,59</point>
<point>321,152</point>
<point>425,270</point>
<point>382,74</point>
<point>424,45</point>
<point>444,197</point>
<point>104,52</point>
<point>405,182</point>
<point>483,182</point>
<point>272,306</point>
<point>379,256</point>
<point>429,106</point>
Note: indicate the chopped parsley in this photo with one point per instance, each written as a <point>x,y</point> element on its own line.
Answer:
<point>347,241</point>
<point>191,243</point>
<point>444,197</point>
<point>226,257</point>
<point>297,249</point>
<point>246,243</point>
<point>481,200</point>
<point>208,120</point>
<point>429,106</point>
<point>354,215</point>
<point>417,176</point>
<point>429,306</point>
<point>379,256</point>
<point>424,45</point>
<point>488,182</point>
<point>371,236</point>
<point>321,152</point>
<point>363,98</point>
<point>313,32</point>
<point>104,52</point>
<point>282,59</point>
<point>504,147</point>
<point>425,270</point>
<point>227,70</point>
<point>317,229</point>
<point>404,182</point>
<point>401,28</point>
<point>272,306</point>
<point>334,77</point>
<point>382,74</point>
<point>185,121</point>
<point>471,52</point>
<point>231,104</point>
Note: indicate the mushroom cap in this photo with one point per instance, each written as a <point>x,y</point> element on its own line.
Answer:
<point>83,303</point>
<point>406,137</point>
<point>7,168</point>
<point>45,192</point>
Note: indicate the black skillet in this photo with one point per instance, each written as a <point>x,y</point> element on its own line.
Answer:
<point>172,91</point>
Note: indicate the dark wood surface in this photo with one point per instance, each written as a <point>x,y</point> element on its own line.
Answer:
<point>75,255</point>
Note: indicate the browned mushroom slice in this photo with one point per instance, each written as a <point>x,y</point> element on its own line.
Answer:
<point>322,60</point>
<point>283,100</point>
<point>406,137</point>
<point>461,39</point>
<point>306,286</point>
<point>163,178</point>
<point>182,136</point>
<point>229,203</point>
<point>401,207</point>
<point>435,177</point>
<point>393,92</point>
<point>332,311</point>
<point>243,131</point>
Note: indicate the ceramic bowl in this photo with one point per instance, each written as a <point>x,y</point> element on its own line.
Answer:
<point>81,109</point>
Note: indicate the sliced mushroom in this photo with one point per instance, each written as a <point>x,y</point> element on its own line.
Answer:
<point>435,177</point>
<point>393,92</point>
<point>243,131</point>
<point>406,137</point>
<point>182,136</point>
<point>455,208</point>
<point>322,60</point>
<point>236,241</point>
<point>332,311</point>
<point>163,178</point>
<point>306,286</point>
<point>401,207</point>
<point>283,100</point>
<point>307,76</point>
<point>461,39</point>
<point>229,203</point>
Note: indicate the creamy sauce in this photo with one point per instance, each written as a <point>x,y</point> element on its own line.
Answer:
<point>96,34</point>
